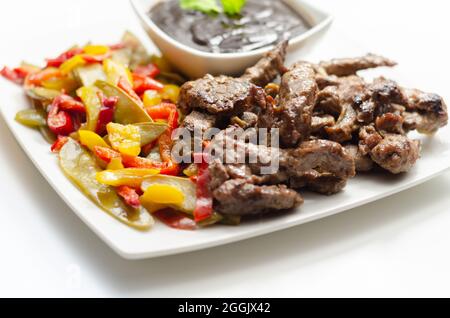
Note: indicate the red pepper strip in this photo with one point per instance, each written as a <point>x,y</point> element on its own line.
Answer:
<point>59,121</point>
<point>59,143</point>
<point>13,75</point>
<point>106,114</point>
<point>129,195</point>
<point>204,207</point>
<point>175,220</point>
<point>66,102</point>
<point>126,87</point>
<point>144,83</point>
<point>96,58</point>
<point>56,62</point>
<point>150,70</point>
<point>166,168</point>
<point>107,154</point>
<point>161,111</point>
<point>39,77</point>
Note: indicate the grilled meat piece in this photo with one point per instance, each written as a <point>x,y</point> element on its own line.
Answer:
<point>269,67</point>
<point>315,161</point>
<point>319,122</point>
<point>350,66</point>
<point>312,159</point>
<point>239,197</point>
<point>363,163</point>
<point>297,98</point>
<point>426,112</point>
<point>390,123</point>
<point>199,120</point>
<point>393,152</point>
<point>221,95</point>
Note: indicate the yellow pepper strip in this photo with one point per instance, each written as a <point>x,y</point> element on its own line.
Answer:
<point>115,164</point>
<point>170,92</point>
<point>60,83</point>
<point>125,138</point>
<point>72,63</point>
<point>96,49</point>
<point>90,139</point>
<point>131,177</point>
<point>152,98</point>
<point>89,96</point>
<point>162,194</point>
<point>115,71</point>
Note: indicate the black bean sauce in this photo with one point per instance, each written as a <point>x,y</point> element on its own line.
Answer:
<point>261,23</point>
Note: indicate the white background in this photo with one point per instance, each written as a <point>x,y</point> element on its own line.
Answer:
<point>399,246</point>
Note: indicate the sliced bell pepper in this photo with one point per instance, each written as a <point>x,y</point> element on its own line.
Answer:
<point>14,75</point>
<point>161,110</point>
<point>106,154</point>
<point>175,219</point>
<point>125,138</point>
<point>129,195</point>
<point>68,103</point>
<point>59,143</point>
<point>150,70</point>
<point>93,102</point>
<point>59,121</point>
<point>171,93</point>
<point>106,114</point>
<point>115,164</point>
<point>163,194</point>
<point>69,65</point>
<point>162,191</point>
<point>125,177</point>
<point>56,62</point>
<point>204,205</point>
<point>96,49</point>
<point>91,140</point>
<point>36,79</point>
<point>151,98</point>
<point>144,83</point>
<point>92,58</point>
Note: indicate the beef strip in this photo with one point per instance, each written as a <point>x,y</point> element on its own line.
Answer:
<point>349,91</point>
<point>199,120</point>
<point>350,66</point>
<point>426,112</point>
<point>393,152</point>
<point>239,197</point>
<point>319,122</point>
<point>308,165</point>
<point>221,95</point>
<point>328,101</point>
<point>363,163</point>
<point>269,67</point>
<point>316,161</point>
<point>390,123</point>
<point>297,98</point>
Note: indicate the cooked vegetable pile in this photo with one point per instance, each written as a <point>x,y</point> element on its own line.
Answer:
<point>109,112</point>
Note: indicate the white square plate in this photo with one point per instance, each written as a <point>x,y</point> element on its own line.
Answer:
<point>162,240</point>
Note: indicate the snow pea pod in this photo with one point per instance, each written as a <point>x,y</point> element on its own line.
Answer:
<point>127,110</point>
<point>80,167</point>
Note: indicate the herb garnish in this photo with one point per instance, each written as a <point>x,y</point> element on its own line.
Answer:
<point>229,7</point>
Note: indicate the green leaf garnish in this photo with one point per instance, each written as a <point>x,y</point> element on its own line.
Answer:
<point>205,6</point>
<point>230,7</point>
